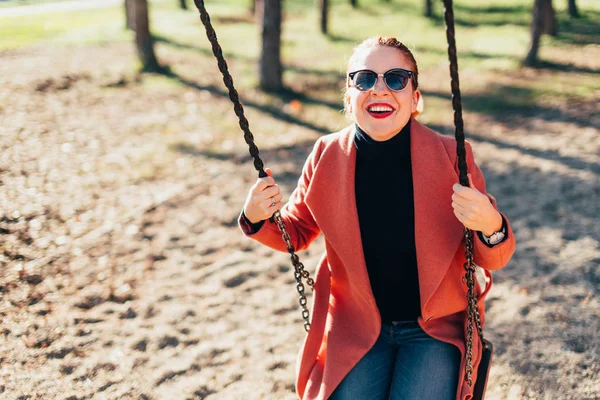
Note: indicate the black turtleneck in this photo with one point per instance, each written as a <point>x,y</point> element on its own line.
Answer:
<point>384,176</point>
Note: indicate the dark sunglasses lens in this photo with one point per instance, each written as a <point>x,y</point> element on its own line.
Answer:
<point>396,81</point>
<point>364,80</point>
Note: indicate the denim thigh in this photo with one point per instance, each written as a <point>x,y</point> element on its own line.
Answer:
<point>371,376</point>
<point>404,363</point>
<point>425,367</point>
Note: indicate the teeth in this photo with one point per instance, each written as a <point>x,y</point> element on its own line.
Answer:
<point>379,109</point>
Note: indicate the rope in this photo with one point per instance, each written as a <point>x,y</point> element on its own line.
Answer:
<point>233,94</point>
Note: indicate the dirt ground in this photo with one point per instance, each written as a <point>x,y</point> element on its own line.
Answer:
<point>123,274</point>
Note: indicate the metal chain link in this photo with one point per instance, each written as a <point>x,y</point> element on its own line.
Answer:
<point>299,271</point>
<point>472,309</point>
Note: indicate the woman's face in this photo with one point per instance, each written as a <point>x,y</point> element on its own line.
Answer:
<point>403,103</point>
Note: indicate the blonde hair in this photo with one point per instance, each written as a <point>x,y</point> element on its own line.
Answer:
<point>385,41</point>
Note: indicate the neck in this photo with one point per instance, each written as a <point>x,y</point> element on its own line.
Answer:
<point>398,146</point>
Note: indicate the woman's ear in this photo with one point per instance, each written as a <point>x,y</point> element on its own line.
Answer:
<point>417,104</point>
<point>347,103</point>
<point>417,101</point>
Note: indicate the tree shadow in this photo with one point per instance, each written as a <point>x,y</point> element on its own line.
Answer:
<point>289,94</point>
<point>329,73</point>
<point>294,152</point>
<point>515,9</point>
<point>287,178</point>
<point>205,51</point>
<point>273,111</point>
<point>247,18</point>
<point>569,161</point>
<point>504,102</point>
<point>580,31</point>
<point>341,39</point>
<point>465,54</point>
<point>549,65</point>
<point>470,16</point>
<point>235,56</point>
<point>570,68</point>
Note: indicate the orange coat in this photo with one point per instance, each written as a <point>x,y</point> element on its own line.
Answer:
<point>345,321</point>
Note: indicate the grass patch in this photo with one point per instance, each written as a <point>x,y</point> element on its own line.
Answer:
<point>17,3</point>
<point>75,27</point>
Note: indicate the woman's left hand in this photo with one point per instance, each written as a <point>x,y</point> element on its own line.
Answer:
<point>474,209</point>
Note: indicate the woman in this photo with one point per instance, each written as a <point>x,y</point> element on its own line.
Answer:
<point>389,311</point>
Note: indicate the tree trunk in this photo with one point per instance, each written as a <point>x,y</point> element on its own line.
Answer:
<point>143,40</point>
<point>270,61</point>
<point>183,4</point>
<point>324,5</point>
<point>429,8</point>
<point>130,15</point>
<point>253,7</point>
<point>549,19</point>
<point>536,32</point>
<point>573,11</point>
<point>354,3</point>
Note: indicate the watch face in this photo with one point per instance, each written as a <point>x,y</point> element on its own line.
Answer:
<point>496,237</point>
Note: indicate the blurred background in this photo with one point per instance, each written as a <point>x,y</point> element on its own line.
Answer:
<point>123,273</point>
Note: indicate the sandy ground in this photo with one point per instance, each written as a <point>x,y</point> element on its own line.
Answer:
<point>123,274</point>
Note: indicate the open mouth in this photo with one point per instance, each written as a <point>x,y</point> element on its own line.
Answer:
<point>380,111</point>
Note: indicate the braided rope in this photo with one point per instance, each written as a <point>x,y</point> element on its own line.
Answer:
<point>228,80</point>
<point>469,279</point>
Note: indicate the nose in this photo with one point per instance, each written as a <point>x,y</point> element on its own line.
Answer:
<point>380,86</point>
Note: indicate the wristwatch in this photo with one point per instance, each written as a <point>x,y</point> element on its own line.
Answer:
<point>495,237</point>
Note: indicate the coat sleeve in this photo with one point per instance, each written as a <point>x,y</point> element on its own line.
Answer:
<point>496,256</point>
<point>298,220</point>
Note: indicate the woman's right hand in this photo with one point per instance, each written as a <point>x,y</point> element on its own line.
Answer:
<point>258,203</point>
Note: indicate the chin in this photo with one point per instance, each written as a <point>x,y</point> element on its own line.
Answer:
<point>387,131</point>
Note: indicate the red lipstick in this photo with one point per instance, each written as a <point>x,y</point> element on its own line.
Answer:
<point>380,110</point>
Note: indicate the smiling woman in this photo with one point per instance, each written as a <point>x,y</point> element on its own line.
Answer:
<point>390,312</point>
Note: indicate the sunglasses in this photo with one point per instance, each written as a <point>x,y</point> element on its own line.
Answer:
<point>396,79</point>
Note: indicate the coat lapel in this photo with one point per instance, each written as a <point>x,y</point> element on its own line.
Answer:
<point>438,233</point>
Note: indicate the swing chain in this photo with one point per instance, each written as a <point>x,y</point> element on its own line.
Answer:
<point>472,309</point>
<point>299,271</point>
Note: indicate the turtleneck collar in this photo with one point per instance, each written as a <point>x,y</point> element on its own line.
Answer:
<point>397,146</point>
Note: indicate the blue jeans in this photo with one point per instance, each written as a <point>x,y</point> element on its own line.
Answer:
<point>404,363</point>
